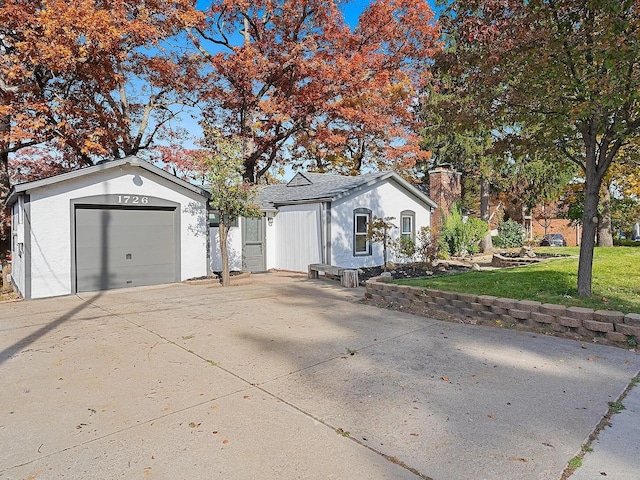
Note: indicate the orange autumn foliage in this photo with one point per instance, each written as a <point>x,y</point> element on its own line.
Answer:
<point>296,82</point>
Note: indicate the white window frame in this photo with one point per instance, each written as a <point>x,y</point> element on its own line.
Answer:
<point>411,232</point>
<point>366,214</point>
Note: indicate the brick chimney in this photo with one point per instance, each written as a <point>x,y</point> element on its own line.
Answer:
<point>445,189</point>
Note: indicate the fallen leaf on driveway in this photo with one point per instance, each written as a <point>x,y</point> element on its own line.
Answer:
<point>491,416</point>
<point>415,434</point>
<point>593,359</point>
<point>224,442</point>
<point>446,379</point>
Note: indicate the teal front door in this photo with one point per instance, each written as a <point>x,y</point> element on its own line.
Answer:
<point>253,244</point>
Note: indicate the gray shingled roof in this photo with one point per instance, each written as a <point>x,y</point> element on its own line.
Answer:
<point>327,187</point>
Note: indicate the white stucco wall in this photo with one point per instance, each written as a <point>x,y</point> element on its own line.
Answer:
<point>234,249</point>
<point>298,230</point>
<point>51,255</point>
<point>386,199</point>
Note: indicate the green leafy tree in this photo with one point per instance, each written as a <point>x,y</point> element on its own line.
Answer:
<point>231,197</point>
<point>379,231</point>
<point>625,213</point>
<point>562,74</point>
<point>468,146</point>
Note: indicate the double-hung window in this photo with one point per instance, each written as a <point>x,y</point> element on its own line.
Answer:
<point>361,242</point>
<point>407,224</point>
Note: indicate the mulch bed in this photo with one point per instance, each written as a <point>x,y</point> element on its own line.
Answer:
<point>411,270</point>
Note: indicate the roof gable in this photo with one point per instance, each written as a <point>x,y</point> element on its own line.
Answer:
<point>130,161</point>
<point>298,180</point>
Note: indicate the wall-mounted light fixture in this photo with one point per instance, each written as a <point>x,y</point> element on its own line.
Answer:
<point>270,217</point>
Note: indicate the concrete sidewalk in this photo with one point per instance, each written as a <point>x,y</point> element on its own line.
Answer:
<point>616,450</point>
<point>284,377</point>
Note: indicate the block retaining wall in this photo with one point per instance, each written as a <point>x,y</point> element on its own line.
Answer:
<point>601,326</point>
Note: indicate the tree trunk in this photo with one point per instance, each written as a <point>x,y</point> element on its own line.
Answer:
<point>5,183</point>
<point>592,183</point>
<point>223,232</point>
<point>486,244</point>
<point>605,237</point>
<point>350,279</point>
<point>384,251</point>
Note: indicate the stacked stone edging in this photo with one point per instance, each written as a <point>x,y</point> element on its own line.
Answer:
<point>601,326</point>
<point>503,261</point>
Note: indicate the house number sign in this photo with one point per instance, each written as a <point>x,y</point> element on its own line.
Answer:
<point>133,200</point>
<point>125,200</point>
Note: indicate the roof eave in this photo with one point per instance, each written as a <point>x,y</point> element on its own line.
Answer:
<point>403,183</point>
<point>130,160</point>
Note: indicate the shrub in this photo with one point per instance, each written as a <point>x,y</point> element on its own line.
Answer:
<point>459,237</point>
<point>626,243</point>
<point>510,235</point>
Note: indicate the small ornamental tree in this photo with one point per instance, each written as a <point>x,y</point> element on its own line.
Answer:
<point>379,231</point>
<point>426,245</point>
<point>404,248</point>
<point>231,197</point>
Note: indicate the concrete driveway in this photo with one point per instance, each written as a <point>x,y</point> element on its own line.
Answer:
<point>286,378</point>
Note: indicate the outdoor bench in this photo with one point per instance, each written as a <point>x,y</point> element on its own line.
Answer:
<point>348,277</point>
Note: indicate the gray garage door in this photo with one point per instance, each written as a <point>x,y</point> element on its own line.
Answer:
<point>118,248</point>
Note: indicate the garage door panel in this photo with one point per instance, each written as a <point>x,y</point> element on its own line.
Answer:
<point>118,248</point>
<point>118,236</point>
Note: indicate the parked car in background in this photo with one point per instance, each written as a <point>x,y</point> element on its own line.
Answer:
<point>553,240</point>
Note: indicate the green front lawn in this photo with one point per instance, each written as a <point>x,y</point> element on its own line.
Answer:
<point>616,280</point>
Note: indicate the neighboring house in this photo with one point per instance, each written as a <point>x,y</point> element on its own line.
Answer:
<point>570,231</point>
<point>322,218</point>
<point>534,222</point>
<point>117,224</point>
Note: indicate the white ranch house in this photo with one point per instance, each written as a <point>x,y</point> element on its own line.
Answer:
<point>322,218</point>
<point>128,223</point>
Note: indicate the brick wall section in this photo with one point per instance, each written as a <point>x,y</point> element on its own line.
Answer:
<point>445,188</point>
<point>600,326</point>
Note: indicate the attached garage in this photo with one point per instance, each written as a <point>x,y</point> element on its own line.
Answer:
<point>120,224</point>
